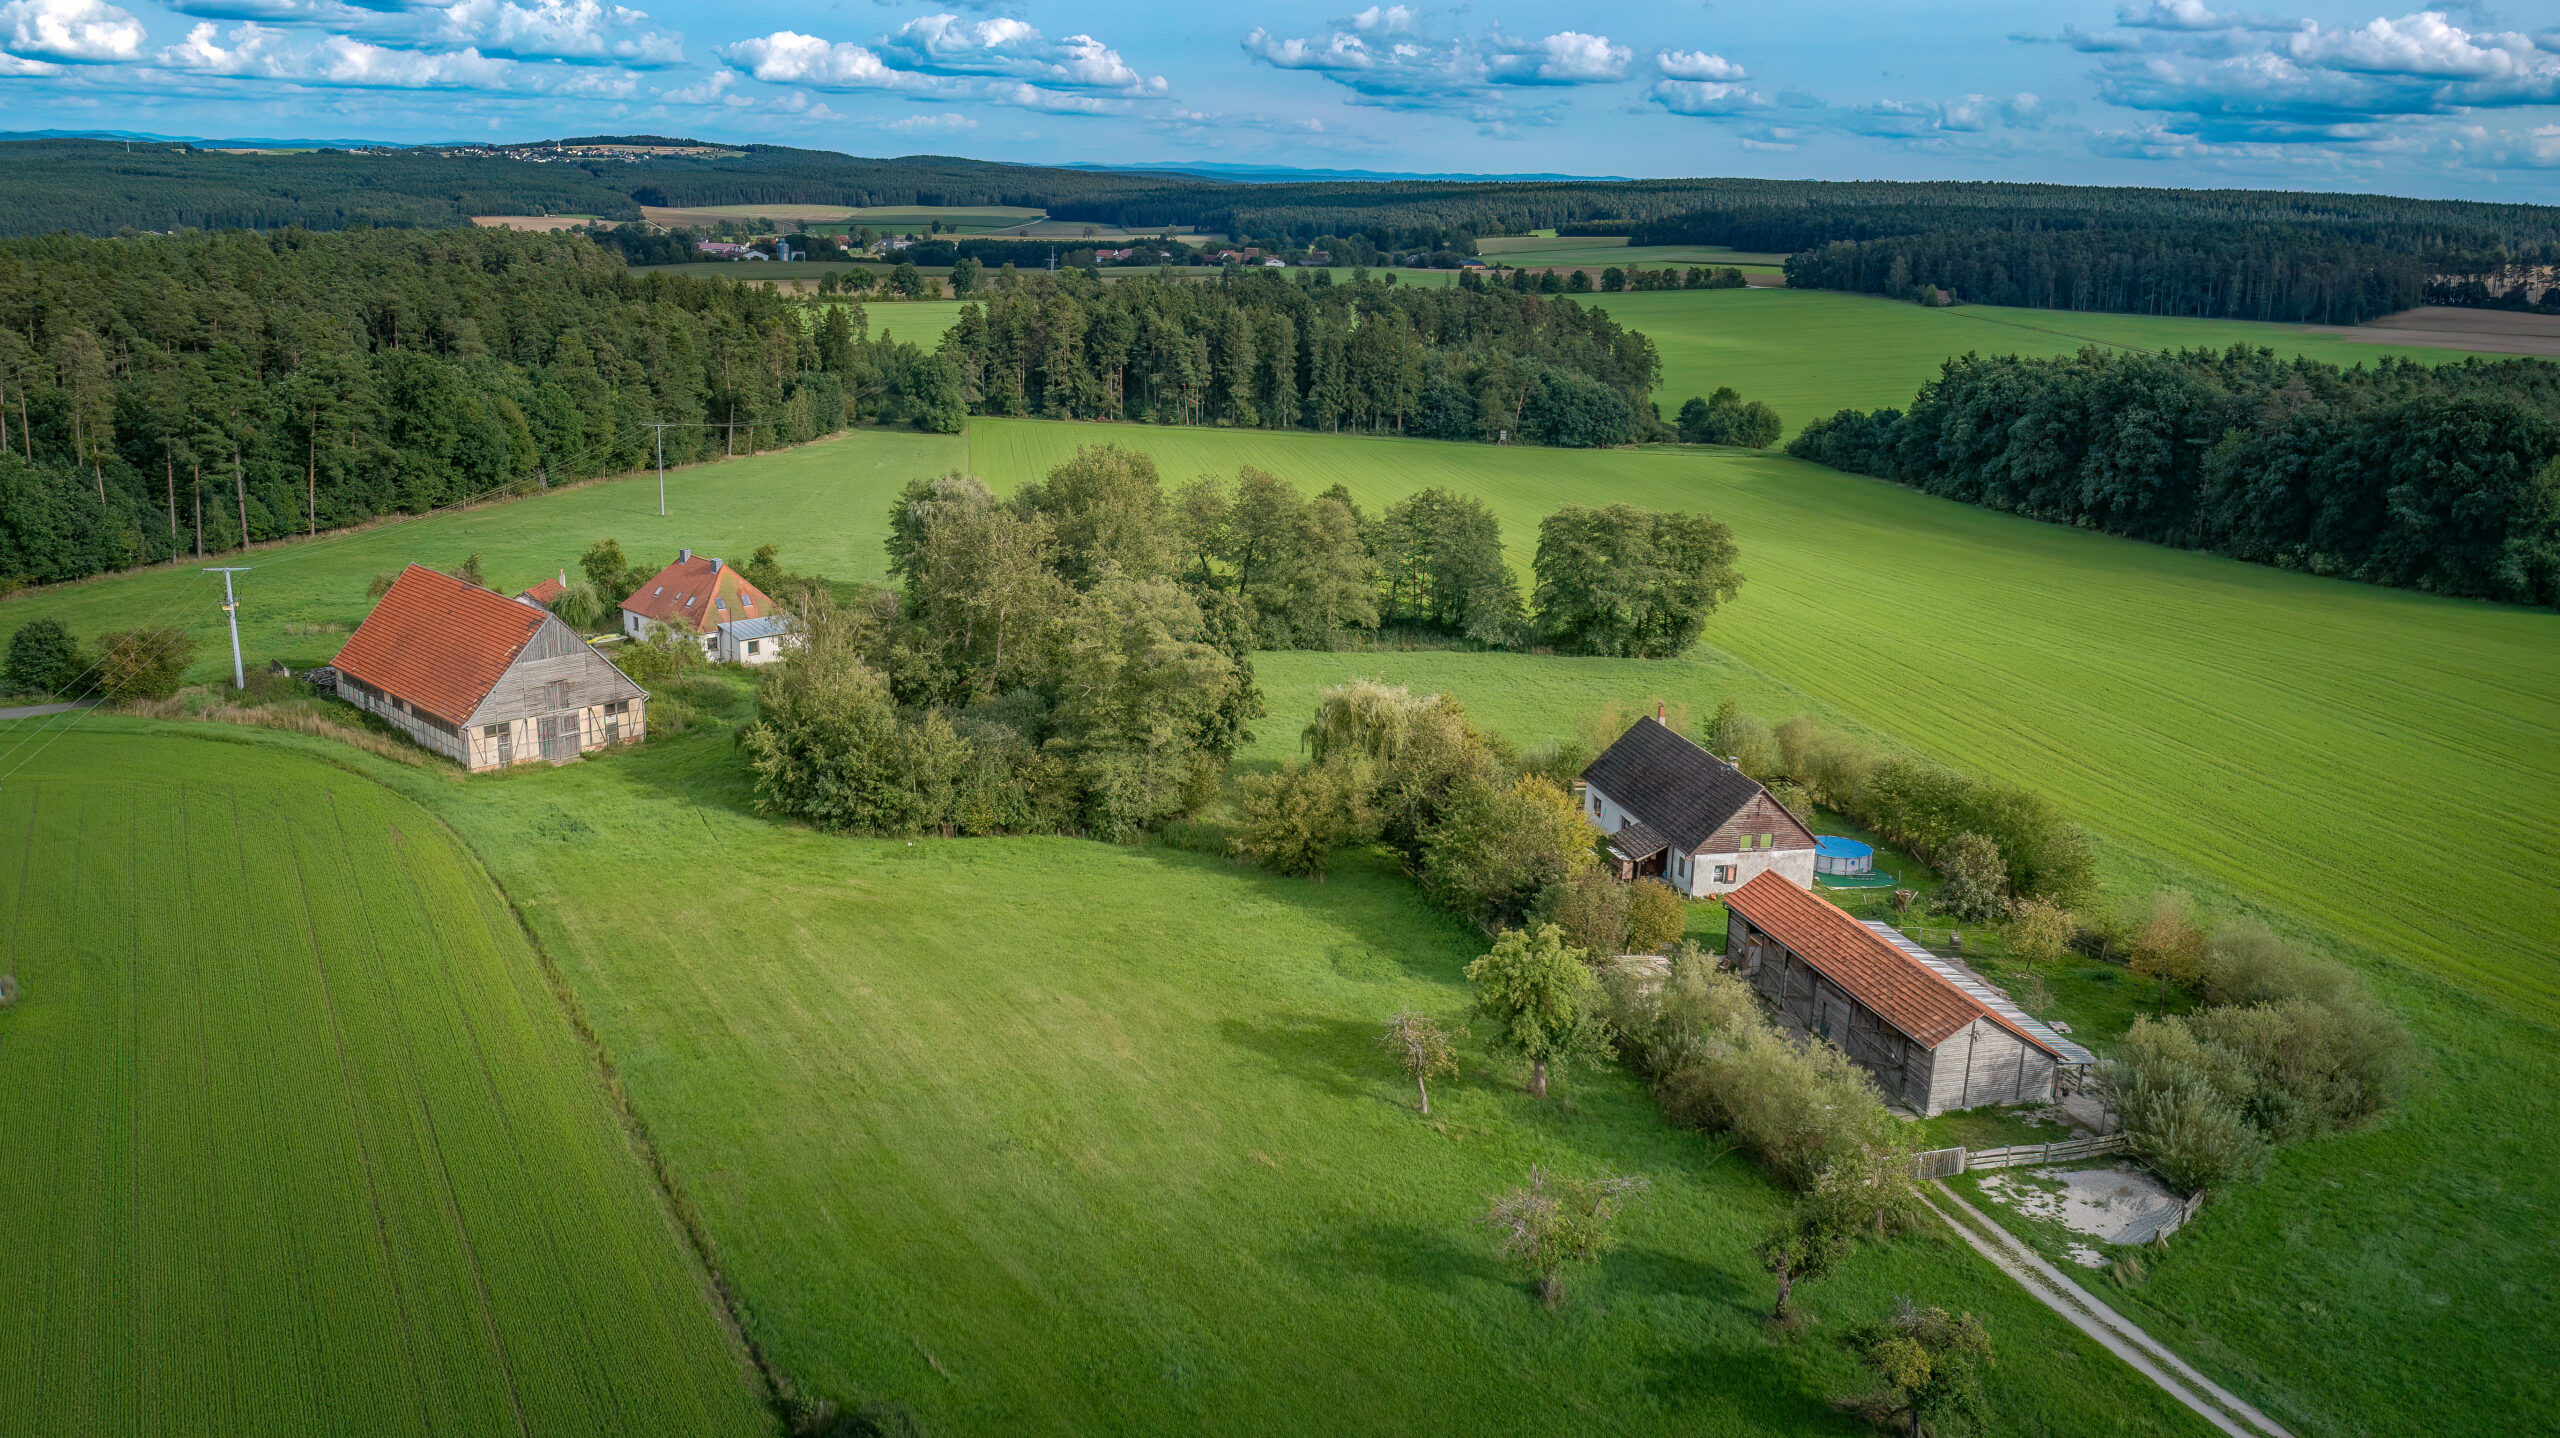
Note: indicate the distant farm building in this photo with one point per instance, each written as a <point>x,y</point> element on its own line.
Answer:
<point>1673,811</point>
<point>1935,1036</point>
<point>732,619</point>
<point>546,593</point>
<point>482,679</point>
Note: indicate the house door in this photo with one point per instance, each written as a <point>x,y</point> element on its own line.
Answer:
<point>559,737</point>
<point>506,743</point>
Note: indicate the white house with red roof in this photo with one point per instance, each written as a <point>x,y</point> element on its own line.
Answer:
<point>482,679</point>
<point>733,620</point>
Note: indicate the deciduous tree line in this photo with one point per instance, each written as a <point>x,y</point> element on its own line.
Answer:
<point>2442,478</point>
<point>1261,348</point>
<point>1320,573</point>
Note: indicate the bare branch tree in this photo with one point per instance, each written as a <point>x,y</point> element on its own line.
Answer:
<point>1415,1040</point>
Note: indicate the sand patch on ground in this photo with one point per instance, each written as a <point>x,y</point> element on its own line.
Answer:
<point>2118,1204</point>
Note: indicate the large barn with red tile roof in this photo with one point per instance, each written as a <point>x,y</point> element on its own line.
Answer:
<point>482,679</point>
<point>706,598</point>
<point>1935,1036</point>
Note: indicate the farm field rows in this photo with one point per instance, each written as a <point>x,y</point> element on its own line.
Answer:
<point>299,1139</point>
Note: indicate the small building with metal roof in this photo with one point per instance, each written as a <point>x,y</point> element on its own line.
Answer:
<point>1932,1032</point>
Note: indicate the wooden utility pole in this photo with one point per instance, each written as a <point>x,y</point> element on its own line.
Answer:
<point>169,449</point>
<point>733,429</point>
<point>311,476</point>
<point>240,487</point>
<point>199,484</point>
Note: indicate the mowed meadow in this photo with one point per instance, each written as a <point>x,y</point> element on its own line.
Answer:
<point>2286,736</point>
<point>1050,1136</point>
<point>299,1140</point>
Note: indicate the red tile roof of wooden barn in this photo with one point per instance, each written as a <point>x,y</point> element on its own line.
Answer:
<point>699,593</point>
<point>1903,991</point>
<point>438,642</point>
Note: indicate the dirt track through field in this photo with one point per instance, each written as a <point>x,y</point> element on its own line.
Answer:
<point>2111,1330</point>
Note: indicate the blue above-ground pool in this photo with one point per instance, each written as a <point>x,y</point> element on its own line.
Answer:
<point>1835,855</point>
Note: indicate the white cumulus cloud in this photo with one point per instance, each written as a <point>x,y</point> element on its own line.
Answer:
<point>1697,65</point>
<point>77,31</point>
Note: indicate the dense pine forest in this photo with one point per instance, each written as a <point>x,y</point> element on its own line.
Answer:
<point>284,382</point>
<point>1291,349</point>
<point>166,395</point>
<point>2230,254</point>
<point>2234,272</point>
<point>2444,479</point>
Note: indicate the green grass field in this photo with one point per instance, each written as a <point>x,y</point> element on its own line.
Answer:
<point>2226,719</point>
<point>1811,352</point>
<point>1046,1136</point>
<point>299,1139</point>
<point>2268,739</point>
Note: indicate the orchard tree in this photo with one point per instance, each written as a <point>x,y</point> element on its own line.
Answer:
<point>1555,1221</point>
<point>1804,1246</point>
<point>1542,1000</point>
<point>1424,1049</point>
<point>1931,1362</point>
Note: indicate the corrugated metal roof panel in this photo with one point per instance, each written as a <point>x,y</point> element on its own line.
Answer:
<point>1981,991</point>
<point>760,628</point>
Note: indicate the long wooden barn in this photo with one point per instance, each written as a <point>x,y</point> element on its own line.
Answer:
<point>1935,1036</point>
<point>485,680</point>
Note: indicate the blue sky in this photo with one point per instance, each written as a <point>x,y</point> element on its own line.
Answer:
<point>2462,102</point>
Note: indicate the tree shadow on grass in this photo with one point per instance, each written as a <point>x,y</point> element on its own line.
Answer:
<point>1405,1254</point>
<point>1339,1056</point>
<point>1778,1388</point>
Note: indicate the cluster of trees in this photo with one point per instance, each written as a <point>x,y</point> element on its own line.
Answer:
<point>2285,1046</point>
<point>47,659</point>
<point>2442,478</point>
<point>1041,669</point>
<point>1725,417</point>
<point>191,393</point>
<point>1641,280</point>
<point>1292,350</point>
<point>1491,838</point>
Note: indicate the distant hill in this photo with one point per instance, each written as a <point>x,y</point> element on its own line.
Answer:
<point>1286,174</point>
<point>138,137</point>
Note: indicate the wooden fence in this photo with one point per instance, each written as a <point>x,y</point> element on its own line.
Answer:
<point>2186,1211</point>
<point>1947,1162</point>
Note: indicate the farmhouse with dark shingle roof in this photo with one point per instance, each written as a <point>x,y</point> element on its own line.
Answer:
<point>482,679</point>
<point>1675,812</point>
<point>1935,1036</point>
